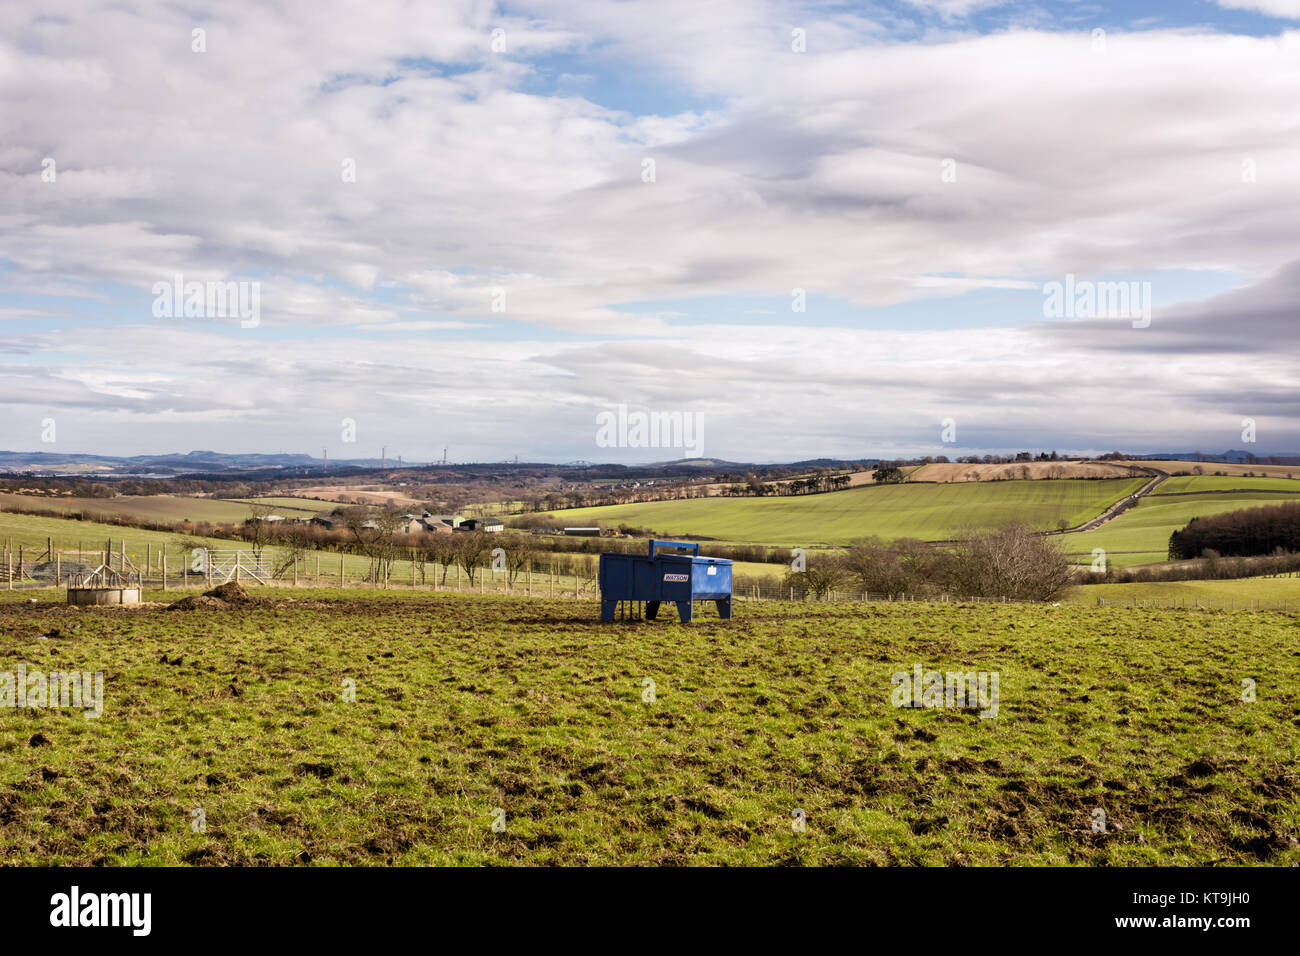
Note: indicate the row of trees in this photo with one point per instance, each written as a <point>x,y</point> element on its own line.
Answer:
<point>812,484</point>
<point>1250,531</point>
<point>1014,563</point>
<point>1210,567</point>
<point>377,534</point>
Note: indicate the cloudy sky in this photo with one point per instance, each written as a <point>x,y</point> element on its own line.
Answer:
<point>824,229</point>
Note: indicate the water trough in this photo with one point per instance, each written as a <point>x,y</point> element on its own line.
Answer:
<point>104,586</point>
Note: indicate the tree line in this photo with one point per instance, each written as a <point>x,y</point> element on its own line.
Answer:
<point>1015,563</point>
<point>1249,531</point>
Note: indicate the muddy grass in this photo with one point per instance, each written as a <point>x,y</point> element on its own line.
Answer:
<point>397,728</point>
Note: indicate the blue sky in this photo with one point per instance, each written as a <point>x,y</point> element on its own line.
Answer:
<point>459,244</point>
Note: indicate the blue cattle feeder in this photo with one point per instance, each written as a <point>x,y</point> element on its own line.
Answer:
<point>664,574</point>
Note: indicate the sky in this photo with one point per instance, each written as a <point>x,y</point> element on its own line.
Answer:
<point>807,229</point>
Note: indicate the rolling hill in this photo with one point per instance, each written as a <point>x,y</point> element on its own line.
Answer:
<point>930,512</point>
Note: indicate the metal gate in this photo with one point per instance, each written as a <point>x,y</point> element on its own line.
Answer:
<point>226,564</point>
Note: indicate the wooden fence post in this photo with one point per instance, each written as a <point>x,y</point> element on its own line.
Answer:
<point>164,567</point>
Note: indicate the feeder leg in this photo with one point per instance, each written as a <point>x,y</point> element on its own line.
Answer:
<point>607,610</point>
<point>724,608</point>
<point>685,611</point>
<point>651,610</point>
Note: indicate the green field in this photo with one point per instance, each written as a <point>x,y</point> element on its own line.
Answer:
<point>465,706</point>
<point>158,508</point>
<point>290,506</point>
<point>1183,484</point>
<point>1245,593</point>
<point>926,511</point>
<point>1141,534</point>
<point>31,531</point>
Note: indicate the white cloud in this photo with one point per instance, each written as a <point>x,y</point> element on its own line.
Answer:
<point>956,8</point>
<point>776,170</point>
<point>1274,8</point>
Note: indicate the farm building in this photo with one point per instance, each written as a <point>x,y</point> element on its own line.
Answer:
<point>439,524</point>
<point>450,521</point>
<point>490,525</point>
<point>408,524</point>
<point>583,532</point>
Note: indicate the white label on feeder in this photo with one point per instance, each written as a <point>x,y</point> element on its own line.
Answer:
<point>713,569</point>
<point>677,577</point>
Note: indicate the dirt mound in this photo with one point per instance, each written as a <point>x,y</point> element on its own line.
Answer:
<point>196,602</point>
<point>232,592</point>
<point>220,598</point>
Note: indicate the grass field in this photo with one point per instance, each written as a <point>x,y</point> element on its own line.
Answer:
<point>465,706</point>
<point>1141,534</point>
<point>1184,484</point>
<point>153,507</point>
<point>285,504</point>
<point>1243,592</point>
<point>1036,470</point>
<point>31,532</point>
<point>926,511</point>
<point>1211,467</point>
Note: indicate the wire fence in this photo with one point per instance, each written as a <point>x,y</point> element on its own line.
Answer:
<point>33,569</point>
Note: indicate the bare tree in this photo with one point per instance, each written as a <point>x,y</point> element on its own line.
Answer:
<point>1014,562</point>
<point>472,550</point>
<point>257,530</point>
<point>442,549</point>
<point>520,550</point>
<point>375,533</point>
<point>818,580</point>
<point>292,541</point>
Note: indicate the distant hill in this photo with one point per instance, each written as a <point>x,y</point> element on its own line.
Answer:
<point>253,466</point>
<point>1232,456</point>
<point>194,462</point>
